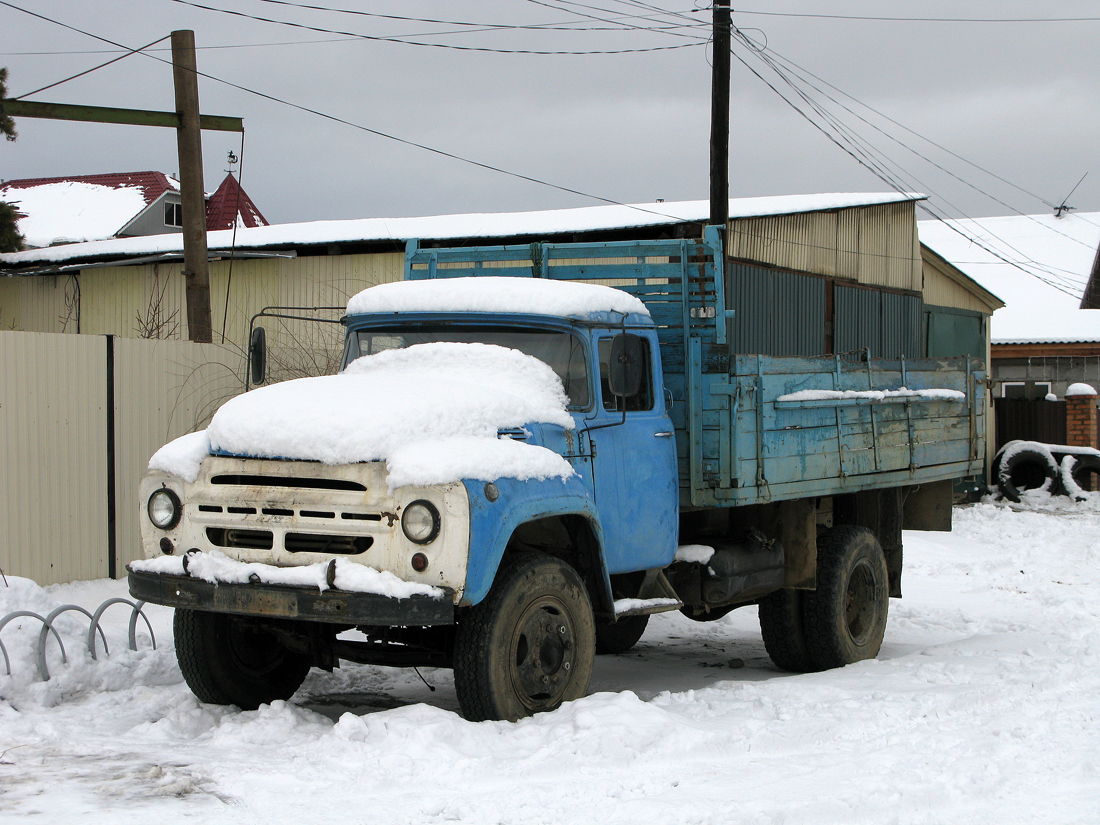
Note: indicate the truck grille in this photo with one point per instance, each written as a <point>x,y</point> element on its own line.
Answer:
<point>313,543</point>
<point>297,482</point>
<point>243,539</point>
<point>292,542</point>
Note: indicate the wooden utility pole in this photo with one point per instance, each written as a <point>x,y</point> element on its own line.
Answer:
<point>720,116</point>
<point>192,191</point>
<point>187,122</point>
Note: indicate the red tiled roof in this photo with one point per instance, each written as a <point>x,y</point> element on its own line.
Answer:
<point>152,184</point>
<point>230,200</point>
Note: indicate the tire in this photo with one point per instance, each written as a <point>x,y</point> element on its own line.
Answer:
<point>620,636</point>
<point>784,636</point>
<point>229,661</point>
<point>1027,469</point>
<point>529,645</point>
<point>844,619</point>
<point>1080,474</point>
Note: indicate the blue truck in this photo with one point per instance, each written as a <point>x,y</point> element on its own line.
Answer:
<point>701,480</point>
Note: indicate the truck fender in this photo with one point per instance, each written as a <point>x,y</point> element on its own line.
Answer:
<point>493,522</point>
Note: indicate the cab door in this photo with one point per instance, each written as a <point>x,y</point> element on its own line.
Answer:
<point>634,466</point>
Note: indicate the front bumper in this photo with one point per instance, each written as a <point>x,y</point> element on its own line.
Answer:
<point>277,601</point>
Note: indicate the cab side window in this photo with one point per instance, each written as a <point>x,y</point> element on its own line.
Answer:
<point>643,399</point>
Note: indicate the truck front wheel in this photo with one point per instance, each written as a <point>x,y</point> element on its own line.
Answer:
<point>227,660</point>
<point>845,617</point>
<point>529,645</point>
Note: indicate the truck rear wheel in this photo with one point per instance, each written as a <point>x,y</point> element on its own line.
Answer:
<point>781,615</point>
<point>227,660</point>
<point>529,645</point>
<point>844,619</point>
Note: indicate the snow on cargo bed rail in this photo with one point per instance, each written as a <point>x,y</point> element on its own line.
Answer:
<point>873,395</point>
<point>496,294</point>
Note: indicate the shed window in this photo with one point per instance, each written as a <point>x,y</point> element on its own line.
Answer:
<point>173,214</point>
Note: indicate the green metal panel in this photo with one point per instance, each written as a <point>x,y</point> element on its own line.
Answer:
<point>889,324</point>
<point>778,313</point>
<point>953,332</point>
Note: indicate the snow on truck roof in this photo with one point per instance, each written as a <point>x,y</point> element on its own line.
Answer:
<point>496,294</point>
<point>385,407</point>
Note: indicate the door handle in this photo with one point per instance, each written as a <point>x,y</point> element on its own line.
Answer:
<point>662,435</point>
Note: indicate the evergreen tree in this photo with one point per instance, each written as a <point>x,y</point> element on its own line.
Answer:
<point>7,125</point>
<point>10,239</point>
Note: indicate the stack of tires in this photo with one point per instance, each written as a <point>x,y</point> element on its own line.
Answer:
<point>1022,466</point>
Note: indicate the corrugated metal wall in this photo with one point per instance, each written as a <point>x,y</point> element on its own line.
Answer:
<point>940,290</point>
<point>54,507</point>
<point>778,313</point>
<point>163,389</point>
<point>873,245</point>
<point>120,300</point>
<point>53,451</point>
<point>889,323</point>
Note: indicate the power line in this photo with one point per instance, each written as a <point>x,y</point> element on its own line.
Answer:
<point>197,48</point>
<point>924,19</point>
<point>873,160</point>
<point>89,71</point>
<point>922,156</point>
<point>481,26</point>
<point>360,127</point>
<point>409,42</point>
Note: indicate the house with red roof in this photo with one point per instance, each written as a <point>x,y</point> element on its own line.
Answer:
<point>82,208</point>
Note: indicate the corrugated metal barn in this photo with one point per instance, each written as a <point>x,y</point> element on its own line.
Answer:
<point>809,274</point>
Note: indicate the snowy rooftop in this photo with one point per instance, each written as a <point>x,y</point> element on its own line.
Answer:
<point>496,294</point>
<point>82,208</point>
<point>1037,264</point>
<point>70,211</point>
<point>479,225</point>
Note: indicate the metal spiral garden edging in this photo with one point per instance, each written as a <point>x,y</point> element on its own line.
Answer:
<point>93,627</point>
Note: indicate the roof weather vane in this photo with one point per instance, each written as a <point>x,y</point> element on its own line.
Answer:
<point>232,159</point>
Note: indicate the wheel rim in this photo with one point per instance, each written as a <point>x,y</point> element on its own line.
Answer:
<point>254,653</point>
<point>861,602</point>
<point>543,649</point>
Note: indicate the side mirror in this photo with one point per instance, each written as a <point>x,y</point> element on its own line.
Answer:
<point>257,355</point>
<point>626,367</point>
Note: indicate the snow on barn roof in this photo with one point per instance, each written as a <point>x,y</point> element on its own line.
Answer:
<point>441,227</point>
<point>82,207</point>
<point>1037,264</point>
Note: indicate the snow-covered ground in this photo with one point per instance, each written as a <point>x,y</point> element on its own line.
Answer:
<point>984,706</point>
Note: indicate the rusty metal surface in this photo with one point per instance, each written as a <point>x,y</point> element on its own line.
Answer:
<point>286,602</point>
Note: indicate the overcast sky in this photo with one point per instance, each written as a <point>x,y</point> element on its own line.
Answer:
<point>1019,99</point>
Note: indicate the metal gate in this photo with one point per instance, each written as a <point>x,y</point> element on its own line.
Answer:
<point>1030,420</point>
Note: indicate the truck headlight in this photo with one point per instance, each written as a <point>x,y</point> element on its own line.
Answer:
<point>164,509</point>
<point>420,521</point>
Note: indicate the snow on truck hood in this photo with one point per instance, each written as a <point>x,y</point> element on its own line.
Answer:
<point>498,294</point>
<point>430,411</point>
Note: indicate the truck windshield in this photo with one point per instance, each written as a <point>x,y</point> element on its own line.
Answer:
<point>562,351</point>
